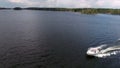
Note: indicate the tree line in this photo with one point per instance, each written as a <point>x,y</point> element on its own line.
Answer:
<point>81,10</point>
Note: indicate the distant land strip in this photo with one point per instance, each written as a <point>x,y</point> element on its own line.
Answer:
<point>81,10</point>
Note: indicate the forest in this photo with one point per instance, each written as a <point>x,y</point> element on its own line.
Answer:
<point>81,10</point>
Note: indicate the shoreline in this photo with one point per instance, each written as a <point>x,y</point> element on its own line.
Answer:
<point>89,11</point>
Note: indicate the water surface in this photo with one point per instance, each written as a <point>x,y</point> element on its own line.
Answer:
<point>47,39</point>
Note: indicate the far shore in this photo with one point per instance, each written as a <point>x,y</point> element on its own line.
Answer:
<point>81,10</point>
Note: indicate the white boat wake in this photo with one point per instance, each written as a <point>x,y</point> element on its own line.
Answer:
<point>104,50</point>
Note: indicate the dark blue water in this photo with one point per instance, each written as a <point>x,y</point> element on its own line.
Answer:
<point>47,39</point>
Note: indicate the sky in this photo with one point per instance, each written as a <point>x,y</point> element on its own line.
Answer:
<point>61,3</point>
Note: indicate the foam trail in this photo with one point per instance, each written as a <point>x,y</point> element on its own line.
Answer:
<point>109,51</point>
<point>101,46</point>
<point>107,54</point>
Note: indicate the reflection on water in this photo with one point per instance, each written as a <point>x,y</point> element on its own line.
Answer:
<point>36,39</point>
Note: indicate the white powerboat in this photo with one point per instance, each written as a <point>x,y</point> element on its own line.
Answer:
<point>93,51</point>
<point>102,51</point>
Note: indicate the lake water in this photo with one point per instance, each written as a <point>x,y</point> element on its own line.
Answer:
<point>48,39</point>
